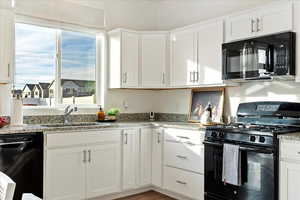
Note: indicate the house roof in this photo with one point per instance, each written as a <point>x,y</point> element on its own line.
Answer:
<point>44,86</point>
<point>80,83</point>
<point>30,87</point>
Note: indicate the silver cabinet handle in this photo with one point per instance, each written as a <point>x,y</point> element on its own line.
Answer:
<point>126,138</point>
<point>181,182</point>
<point>191,77</point>
<point>190,143</point>
<point>125,77</point>
<point>196,76</point>
<point>181,157</point>
<point>90,157</point>
<point>158,138</point>
<point>84,156</point>
<point>163,78</point>
<point>8,70</point>
<point>183,137</point>
<point>258,25</point>
<point>252,26</point>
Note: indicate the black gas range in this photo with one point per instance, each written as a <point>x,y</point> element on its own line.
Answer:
<point>255,131</point>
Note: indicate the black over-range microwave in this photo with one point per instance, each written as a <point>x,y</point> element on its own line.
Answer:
<point>260,58</point>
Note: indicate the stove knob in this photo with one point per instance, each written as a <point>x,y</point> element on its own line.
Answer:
<point>221,134</point>
<point>262,139</point>
<point>252,138</point>
<point>214,134</point>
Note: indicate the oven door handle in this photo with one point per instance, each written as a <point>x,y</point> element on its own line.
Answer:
<point>243,148</point>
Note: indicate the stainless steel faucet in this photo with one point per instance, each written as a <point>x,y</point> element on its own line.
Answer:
<point>68,112</point>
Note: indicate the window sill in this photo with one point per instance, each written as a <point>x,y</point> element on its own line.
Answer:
<point>58,110</point>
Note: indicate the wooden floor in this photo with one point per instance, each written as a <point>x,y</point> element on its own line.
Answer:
<point>151,195</point>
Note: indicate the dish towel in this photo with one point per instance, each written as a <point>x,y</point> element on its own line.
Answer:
<point>231,172</point>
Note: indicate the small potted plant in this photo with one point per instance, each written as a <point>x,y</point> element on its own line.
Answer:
<point>112,114</point>
<point>3,122</point>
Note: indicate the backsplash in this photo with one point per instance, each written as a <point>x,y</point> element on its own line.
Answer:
<point>123,117</point>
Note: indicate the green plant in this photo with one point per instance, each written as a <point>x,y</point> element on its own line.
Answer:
<point>113,111</point>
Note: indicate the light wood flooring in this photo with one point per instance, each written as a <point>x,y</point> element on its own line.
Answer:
<point>151,195</point>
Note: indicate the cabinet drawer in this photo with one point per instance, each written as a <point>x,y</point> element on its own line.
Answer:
<point>63,139</point>
<point>182,182</point>
<point>185,156</point>
<point>182,135</point>
<point>290,149</point>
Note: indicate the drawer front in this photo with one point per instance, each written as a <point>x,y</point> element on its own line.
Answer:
<point>182,135</point>
<point>63,139</point>
<point>290,150</point>
<point>182,182</point>
<point>185,156</point>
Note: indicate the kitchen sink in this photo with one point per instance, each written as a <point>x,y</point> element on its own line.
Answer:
<point>61,125</point>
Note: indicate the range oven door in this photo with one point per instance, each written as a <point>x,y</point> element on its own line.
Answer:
<point>258,174</point>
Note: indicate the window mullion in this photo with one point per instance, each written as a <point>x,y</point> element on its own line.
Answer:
<point>58,89</point>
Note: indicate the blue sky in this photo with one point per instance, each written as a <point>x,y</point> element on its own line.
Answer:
<point>35,55</point>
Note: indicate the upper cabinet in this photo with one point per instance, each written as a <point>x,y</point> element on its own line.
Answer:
<point>137,59</point>
<point>153,60</point>
<point>210,39</point>
<point>274,18</point>
<point>123,59</point>
<point>6,45</point>
<point>196,55</point>
<point>183,58</point>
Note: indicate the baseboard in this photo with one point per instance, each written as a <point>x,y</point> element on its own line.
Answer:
<point>123,194</point>
<point>171,194</point>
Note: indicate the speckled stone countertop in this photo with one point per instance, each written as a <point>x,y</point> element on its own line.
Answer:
<point>290,136</point>
<point>82,126</point>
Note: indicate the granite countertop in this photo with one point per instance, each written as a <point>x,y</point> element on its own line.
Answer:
<point>42,128</point>
<point>290,136</point>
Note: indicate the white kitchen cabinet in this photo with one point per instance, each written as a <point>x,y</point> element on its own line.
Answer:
<point>157,157</point>
<point>103,169</point>
<point>210,40</point>
<point>153,60</point>
<point>270,19</point>
<point>184,69</point>
<point>6,45</point>
<point>65,173</point>
<point>82,165</point>
<point>123,59</point>
<point>289,180</point>
<point>145,156</point>
<point>130,159</point>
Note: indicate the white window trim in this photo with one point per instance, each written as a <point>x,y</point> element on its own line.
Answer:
<point>100,63</point>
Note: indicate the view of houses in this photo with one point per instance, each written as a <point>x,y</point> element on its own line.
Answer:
<point>73,91</point>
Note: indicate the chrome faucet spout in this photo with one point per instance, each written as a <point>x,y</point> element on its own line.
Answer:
<point>68,112</point>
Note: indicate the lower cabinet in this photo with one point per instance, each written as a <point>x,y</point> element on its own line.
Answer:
<point>183,182</point>
<point>289,180</point>
<point>65,174</point>
<point>145,156</point>
<point>103,170</point>
<point>130,159</point>
<point>157,157</point>
<point>82,171</point>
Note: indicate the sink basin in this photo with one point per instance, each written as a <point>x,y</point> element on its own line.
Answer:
<point>75,124</point>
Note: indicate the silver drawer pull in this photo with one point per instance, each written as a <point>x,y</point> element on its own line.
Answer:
<point>190,143</point>
<point>84,156</point>
<point>182,157</point>
<point>183,137</point>
<point>181,182</point>
<point>298,152</point>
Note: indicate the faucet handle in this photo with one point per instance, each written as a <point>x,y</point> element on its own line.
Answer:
<point>67,108</point>
<point>75,109</point>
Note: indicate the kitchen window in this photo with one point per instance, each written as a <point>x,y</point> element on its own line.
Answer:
<point>54,67</point>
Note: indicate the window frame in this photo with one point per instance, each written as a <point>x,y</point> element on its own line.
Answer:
<point>100,36</point>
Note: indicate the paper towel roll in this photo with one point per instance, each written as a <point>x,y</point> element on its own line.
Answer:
<point>16,117</point>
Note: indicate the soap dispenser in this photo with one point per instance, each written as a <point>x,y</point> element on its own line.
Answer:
<point>101,114</point>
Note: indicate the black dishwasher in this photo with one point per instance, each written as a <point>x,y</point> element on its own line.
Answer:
<point>21,158</point>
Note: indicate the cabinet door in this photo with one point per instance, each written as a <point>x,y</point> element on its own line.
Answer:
<point>157,142</point>
<point>65,174</point>
<point>153,61</point>
<point>6,45</point>
<point>145,156</point>
<point>289,181</point>
<point>275,19</point>
<point>240,26</point>
<point>130,159</point>
<point>183,58</point>
<point>103,169</point>
<point>130,59</point>
<point>210,39</point>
